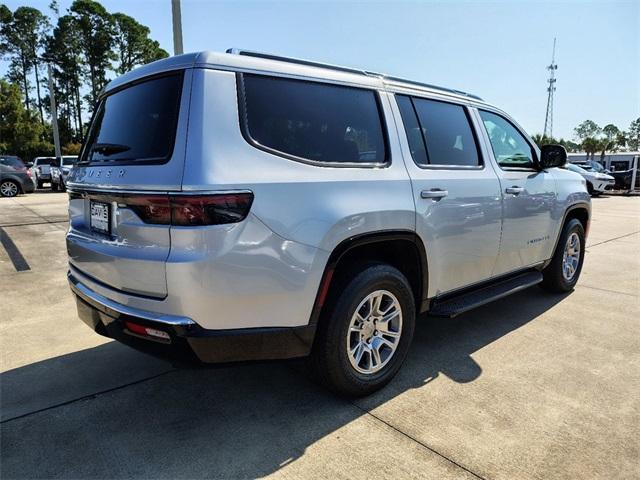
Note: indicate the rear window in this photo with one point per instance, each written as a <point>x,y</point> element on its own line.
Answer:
<point>46,161</point>
<point>68,161</point>
<point>313,121</point>
<point>14,162</point>
<point>136,124</point>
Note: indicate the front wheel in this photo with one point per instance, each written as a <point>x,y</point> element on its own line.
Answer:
<point>9,188</point>
<point>365,334</point>
<point>561,275</point>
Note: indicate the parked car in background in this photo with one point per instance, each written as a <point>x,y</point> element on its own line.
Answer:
<point>59,173</point>
<point>14,177</point>
<point>311,210</point>
<point>42,169</point>
<point>624,178</point>
<point>597,183</point>
<point>591,166</point>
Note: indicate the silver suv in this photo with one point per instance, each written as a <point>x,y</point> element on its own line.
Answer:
<point>242,206</point>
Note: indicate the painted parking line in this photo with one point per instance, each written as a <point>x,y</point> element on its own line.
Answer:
<point>19,262</point>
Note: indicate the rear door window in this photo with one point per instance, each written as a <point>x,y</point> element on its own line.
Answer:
<point>315,122</point>
<point>136,124</point>
<point>447,132</point>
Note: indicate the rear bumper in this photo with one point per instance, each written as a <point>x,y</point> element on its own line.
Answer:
<point>28,186</point>
<point>188,342</point>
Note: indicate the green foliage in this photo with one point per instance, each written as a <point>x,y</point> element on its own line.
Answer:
<point>85,47</point>
<point>633,135</point>
<point>22,36</point>
<point>544,140</point>
<point>133,45</point>
<point>587,129</point>
<point>95,29</point>
<point>20,132</point>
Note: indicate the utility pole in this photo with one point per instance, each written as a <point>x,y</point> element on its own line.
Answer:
<point>548,121</point>
<point>54,116</point>
<point>177,27</point>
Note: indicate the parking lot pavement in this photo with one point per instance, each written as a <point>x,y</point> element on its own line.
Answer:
<point>532,386</point>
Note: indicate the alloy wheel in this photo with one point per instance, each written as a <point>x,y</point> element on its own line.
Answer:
<point>374,332</point>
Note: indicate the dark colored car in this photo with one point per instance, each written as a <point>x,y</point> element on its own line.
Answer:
<point>14,177</point>
<point>623,179</point>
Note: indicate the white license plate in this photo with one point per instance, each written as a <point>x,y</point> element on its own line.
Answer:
<point>100,217</point>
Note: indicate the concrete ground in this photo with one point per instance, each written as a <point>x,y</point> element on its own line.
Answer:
<point>532,386</point>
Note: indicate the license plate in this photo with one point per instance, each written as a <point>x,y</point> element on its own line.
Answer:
<point>100,217</point>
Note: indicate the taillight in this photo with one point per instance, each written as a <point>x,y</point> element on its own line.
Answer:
<point>153,209</point>
<point>190,210</point>
<point>29,172</point>
<point>219,209</point>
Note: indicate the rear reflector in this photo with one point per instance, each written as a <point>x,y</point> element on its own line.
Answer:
<point>189,210</point>
<point>146,331</point>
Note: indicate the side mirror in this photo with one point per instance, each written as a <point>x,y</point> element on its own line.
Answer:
<point>552,156</point>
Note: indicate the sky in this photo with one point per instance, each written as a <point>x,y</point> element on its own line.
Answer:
<point>497,50</point>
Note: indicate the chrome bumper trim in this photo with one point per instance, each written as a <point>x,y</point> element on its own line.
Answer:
<point>109,306</point>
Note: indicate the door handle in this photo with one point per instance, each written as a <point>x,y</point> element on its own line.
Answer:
<point>514,190</point>
<point>435,193</point>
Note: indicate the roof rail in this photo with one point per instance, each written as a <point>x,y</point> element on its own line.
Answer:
<point>299,61</point>
<point>309,63</point>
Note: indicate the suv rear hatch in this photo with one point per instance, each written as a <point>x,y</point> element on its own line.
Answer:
<point>119,190</point>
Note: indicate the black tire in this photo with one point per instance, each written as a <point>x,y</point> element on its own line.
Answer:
<point>553,277</point>
<point>54,186</point>
<point>9,188</point>
<point>329,358</point>
<point>40,184</point>
<point>589,188</point>
<point>63,188</point>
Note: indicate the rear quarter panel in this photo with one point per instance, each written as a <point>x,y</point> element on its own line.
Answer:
<point>266,271</point>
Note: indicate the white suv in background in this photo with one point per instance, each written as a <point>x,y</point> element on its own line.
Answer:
<point>597,182</point>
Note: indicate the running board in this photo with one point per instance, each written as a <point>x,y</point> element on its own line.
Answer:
<point>455,305</point>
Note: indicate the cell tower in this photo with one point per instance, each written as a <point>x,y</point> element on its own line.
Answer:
<point>548,121</point>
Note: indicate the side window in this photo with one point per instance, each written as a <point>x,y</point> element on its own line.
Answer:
<point>413,130</point>
<point>313,121</point>
<point>447,132</point>
<point>509,146</point>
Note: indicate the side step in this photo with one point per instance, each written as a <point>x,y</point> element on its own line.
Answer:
<point>452,306</point>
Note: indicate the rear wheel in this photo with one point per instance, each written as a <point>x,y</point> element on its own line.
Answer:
<point>9,188</point>
<point>54,186</point>
<point>365,334</point>
<point>561,275</point>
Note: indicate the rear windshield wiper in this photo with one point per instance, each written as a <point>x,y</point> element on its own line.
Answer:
<point>109,148</point>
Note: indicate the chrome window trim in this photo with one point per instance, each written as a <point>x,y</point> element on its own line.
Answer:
<point>246,134</point>
<point>476,138</point>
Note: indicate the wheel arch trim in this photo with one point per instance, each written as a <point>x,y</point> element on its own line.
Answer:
<point>360,240</point>
<point>575,206</point>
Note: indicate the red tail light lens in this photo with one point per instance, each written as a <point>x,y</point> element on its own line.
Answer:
<point>153,209</point>
<point>190,210</point>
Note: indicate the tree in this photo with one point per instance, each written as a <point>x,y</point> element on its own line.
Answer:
<point>20,132</point>
<point>22,35</point>
<point>64,53</point>
<point>590,145</point>
<point>611,132</point>
<point>133,45</point>
<point>633,135</point>
<point>587,129</point>
<point>95,30</point>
